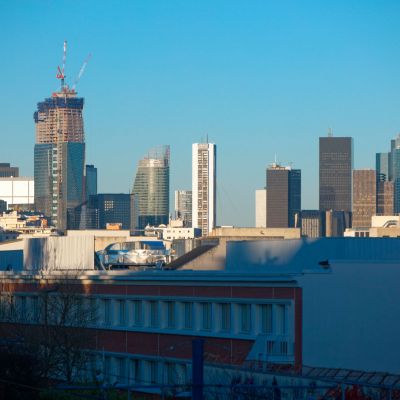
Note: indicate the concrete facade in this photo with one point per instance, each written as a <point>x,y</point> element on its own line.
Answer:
<point>261,208</point>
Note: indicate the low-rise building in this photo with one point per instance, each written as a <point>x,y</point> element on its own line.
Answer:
<point>283,303</point>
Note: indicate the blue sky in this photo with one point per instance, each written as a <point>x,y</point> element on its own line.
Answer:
<point>258,77</point>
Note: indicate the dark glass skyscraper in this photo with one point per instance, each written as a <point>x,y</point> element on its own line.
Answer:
<point>151,188</point>
<point>110,208</point>
<point>335,173</point>
<point>7,171</point>
<point>383,166</point>
<point>283,196</point>
<point>91,181</point>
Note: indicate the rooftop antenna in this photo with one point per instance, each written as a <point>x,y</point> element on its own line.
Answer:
<point>330,132</point>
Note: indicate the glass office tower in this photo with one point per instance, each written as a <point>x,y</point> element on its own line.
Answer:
<point>382,163</point>
<point>151,188</point>
<point>91,181</point>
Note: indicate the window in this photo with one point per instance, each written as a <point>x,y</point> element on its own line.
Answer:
<point>137,312</point>
<point>170,305</point>
<point>107,311</point>
<point>121,312</point>
<point>280,318</point>
<point>206,315</point>
<point>170,373</point>
<point>245,317</point>
<point>225,317</point>
<point>153,314</point>
<point>135,370</point>
<point>266,318</point>
<point>93,311</point>
<point>188,315</point>
<point>153,372</point>
<point>35,309</point>
<point>107,368</point>
<point>22,308</point>
<point>121,375</point>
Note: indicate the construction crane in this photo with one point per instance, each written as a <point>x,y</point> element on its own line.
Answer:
<point>81,71</point>
<point>61,72</point>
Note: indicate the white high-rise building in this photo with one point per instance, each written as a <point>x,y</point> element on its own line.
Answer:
<point>261,208</point>
<point>204,157</point>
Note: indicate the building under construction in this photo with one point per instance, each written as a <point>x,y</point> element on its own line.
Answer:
<point>59,160</point>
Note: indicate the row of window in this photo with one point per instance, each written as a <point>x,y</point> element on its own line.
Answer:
<point>215,317</point>
<point>112,369</point>
<point>198,316</point>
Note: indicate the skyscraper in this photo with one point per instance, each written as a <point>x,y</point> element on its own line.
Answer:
<point>394,172</point>
<point>151,188</point>
<point>59,158</point>
<point>7,171</point>
<point>91,181</point>
<point>382,166</point>
<point>384,197</point>
<point>364,197</point>
<point>110,208</point>
<point>183,206</point>
<point>283,196</point>
<point>204,157</point>
<point>335,173</point>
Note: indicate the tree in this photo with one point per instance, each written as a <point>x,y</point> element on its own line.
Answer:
<point>55,329</point>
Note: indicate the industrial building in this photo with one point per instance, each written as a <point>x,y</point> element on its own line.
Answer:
<point>277,308</point>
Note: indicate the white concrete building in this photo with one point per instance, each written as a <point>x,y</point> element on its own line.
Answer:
<point>204,156</point>
<point>261,208</point>
<point>17,191</point>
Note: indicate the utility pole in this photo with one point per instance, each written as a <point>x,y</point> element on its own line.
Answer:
<point>197,369</point>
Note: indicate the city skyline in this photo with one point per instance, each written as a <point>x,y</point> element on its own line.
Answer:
<point>232,71</point>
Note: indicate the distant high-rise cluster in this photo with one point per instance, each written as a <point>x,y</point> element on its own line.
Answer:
<point>348,198</point>
<point>65,189</point>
